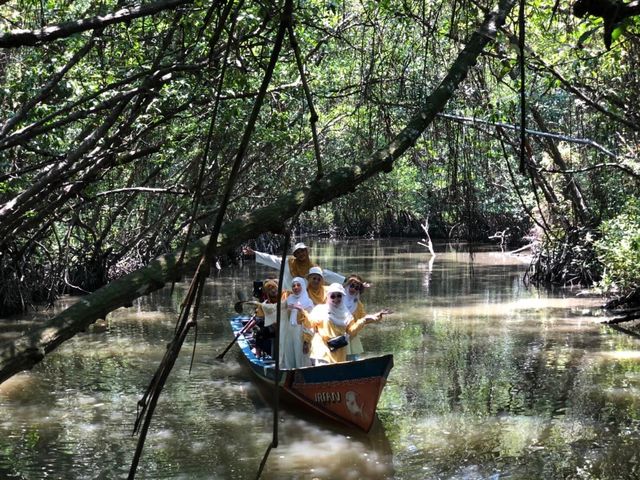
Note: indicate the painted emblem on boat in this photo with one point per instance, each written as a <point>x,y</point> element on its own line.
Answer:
<point>354,404</point>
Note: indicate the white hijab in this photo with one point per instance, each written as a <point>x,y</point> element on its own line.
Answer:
<point>302,299</point>
<point>340,316</point>
<point>350,301</point>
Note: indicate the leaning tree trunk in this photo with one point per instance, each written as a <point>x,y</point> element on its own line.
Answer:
<point>30,349</point>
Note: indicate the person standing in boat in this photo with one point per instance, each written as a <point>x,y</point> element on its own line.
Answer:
<point>295,340</point>
<point>354,287</point>
<point>267,313</point>
<point>317,292</point>
<point>335,326</point>
<point>297,266</point>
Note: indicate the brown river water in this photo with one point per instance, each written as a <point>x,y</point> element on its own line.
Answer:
<point>492,380</point>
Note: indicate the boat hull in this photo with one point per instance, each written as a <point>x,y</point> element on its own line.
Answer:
<point>346,392</point>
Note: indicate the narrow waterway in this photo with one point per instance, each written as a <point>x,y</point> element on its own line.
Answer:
<point>492,380</point>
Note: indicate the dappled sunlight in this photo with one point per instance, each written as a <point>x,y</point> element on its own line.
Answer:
<point>479,258</point>
<point>528,305</point>
<point>625,355</point>
<point>140,315</point>
<point>476,309</point>
<point>619,355</point>
<point>444,435</point>
<point>624,395</point>
<point>464,446</point>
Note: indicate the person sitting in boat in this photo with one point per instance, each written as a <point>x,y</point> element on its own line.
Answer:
<point>295,339</point>
<point>267,315</point>
<point>354,286</point>
<point>335,325</point>
<point>315,286</point>
<point>297,266</point>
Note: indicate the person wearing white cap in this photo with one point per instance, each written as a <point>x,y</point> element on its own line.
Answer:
<point>334,324</point>
<point>297,266</point>
<point>315,286</point>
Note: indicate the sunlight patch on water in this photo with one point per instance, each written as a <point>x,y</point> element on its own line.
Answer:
<point>161,434</point>
<point>447,435</point>
<point>503,310</point>
<point>142,316</point>
<point>316,452</point>
<point>568,317</point>
<point>19,387</point>
<point>460,257</point>
<point>233,418</point>
<point>623,394</point>
<point>621,355</point>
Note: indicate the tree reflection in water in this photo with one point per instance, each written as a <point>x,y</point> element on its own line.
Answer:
<point>492,379</point>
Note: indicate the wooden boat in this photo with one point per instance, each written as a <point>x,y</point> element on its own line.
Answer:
<point>346,392</point>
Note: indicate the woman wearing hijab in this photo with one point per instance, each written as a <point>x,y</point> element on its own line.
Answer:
<point>293,354</point>
<point>297,266</point>
<point>315,286</point>
<point>353,288</point>
<point>332,320</point>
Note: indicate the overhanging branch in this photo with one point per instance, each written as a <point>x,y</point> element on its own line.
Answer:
<point>19,38</point>
<point>537,133</point>
<point>30,349</point>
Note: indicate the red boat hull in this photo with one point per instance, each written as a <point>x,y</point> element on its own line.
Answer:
<point>346,392</point>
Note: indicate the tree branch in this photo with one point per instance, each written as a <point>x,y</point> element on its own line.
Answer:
<point>19,38</point>
<point>537,133</point>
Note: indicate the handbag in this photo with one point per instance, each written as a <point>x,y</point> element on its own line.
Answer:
<point>337,342</point>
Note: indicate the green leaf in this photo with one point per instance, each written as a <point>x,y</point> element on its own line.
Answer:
<point>616,33</point>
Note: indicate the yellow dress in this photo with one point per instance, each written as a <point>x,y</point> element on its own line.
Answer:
<point>300,269</point>
<point>318,297</point>
<point>326,329</point>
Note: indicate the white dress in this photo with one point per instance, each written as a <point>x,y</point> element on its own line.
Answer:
<point>355,344</point>
<point>291,348</point>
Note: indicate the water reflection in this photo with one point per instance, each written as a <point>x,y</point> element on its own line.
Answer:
<point>491,380</point>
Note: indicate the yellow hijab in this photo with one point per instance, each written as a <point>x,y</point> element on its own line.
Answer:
<point>300,269</point>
